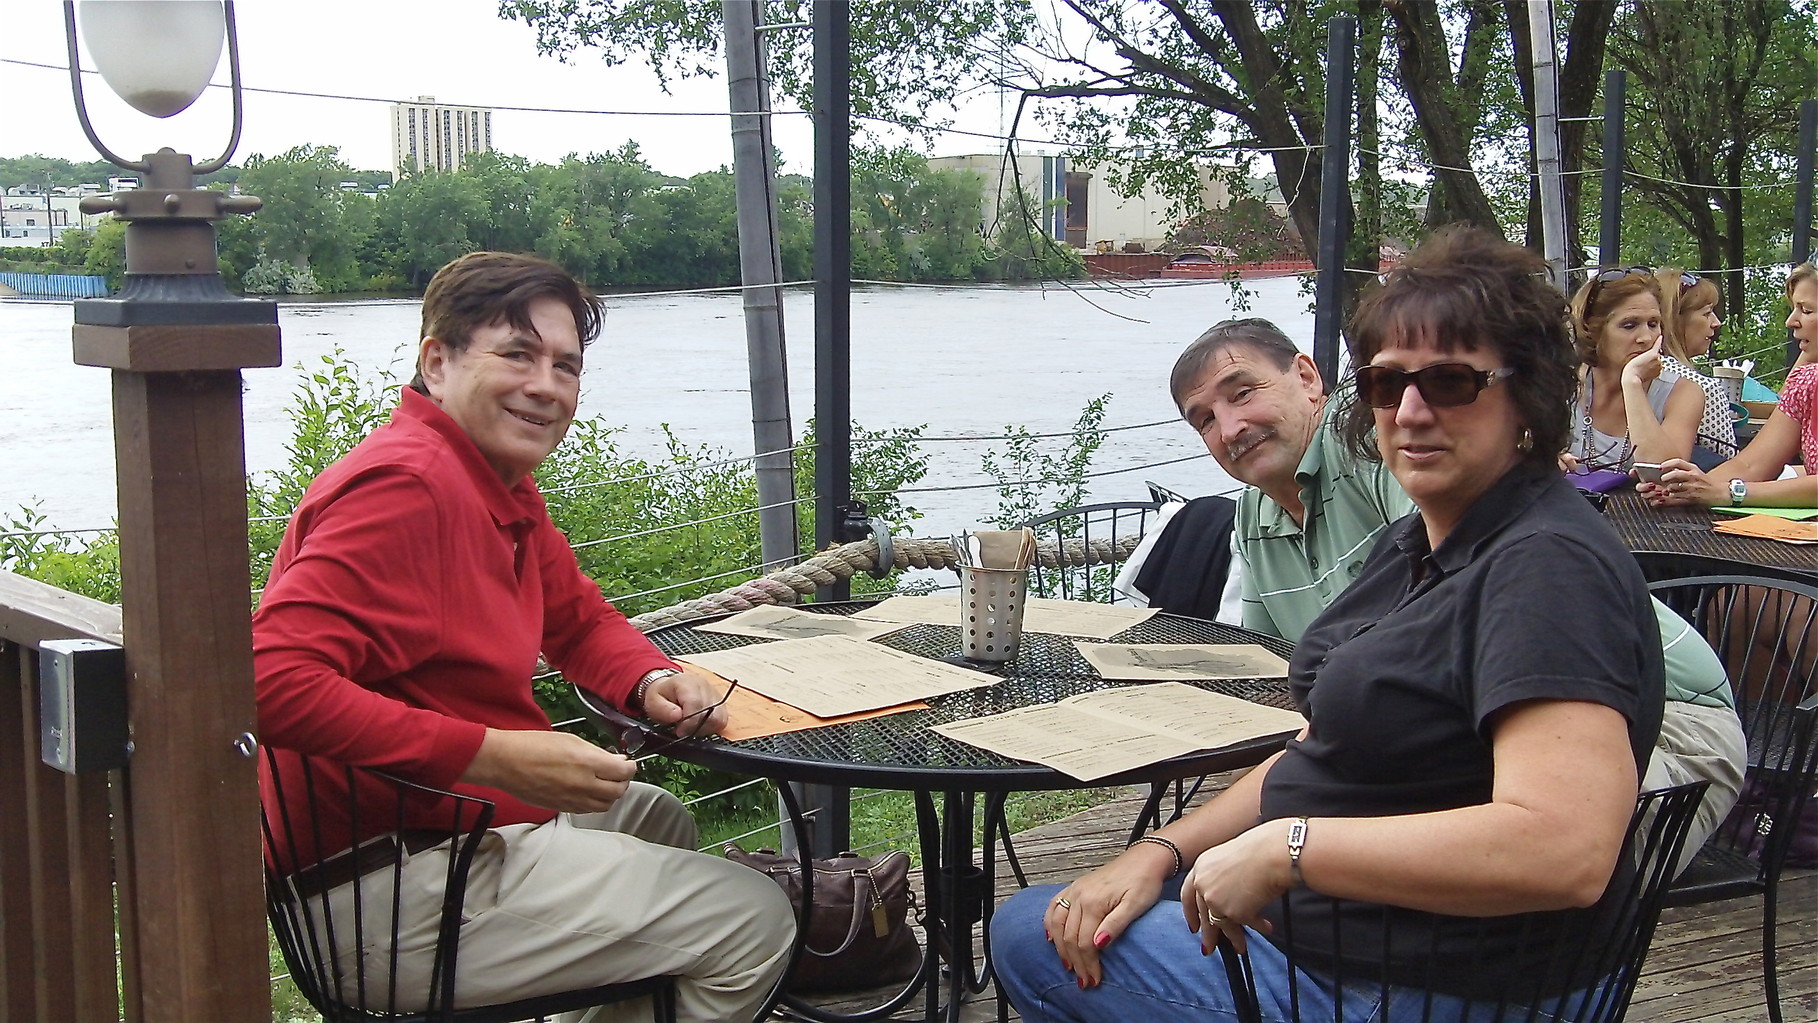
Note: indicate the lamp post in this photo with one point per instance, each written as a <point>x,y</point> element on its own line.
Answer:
<point>193,936</point>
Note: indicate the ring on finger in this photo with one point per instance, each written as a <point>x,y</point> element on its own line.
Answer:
<point>1063,903</point>
<point>1213,918</point>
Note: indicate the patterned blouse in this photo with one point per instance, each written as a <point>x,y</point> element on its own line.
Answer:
<point>1796,400</point>
<point>1717,430</point>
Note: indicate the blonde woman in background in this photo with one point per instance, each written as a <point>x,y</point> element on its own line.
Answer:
<point>1626,408</point>
<point>1689,320</point>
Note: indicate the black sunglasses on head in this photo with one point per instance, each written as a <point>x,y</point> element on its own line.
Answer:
<point>1611,276</point>
<point>1444,385</point>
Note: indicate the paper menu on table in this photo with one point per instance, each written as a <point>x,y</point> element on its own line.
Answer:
<point>1767,527</point>
<point>1160,661</point>
<point>1095,735</point>
<point>772,622</point>
<point>832,675</point>
<point>1059,617</point>
<point>1796,514</point>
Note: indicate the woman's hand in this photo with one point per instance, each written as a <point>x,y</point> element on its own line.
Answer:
<point>1568,462</point>
<point>1229,884</point>
<point>1093,911</point>
<point>1682,484</point>
<point>1644,368</point>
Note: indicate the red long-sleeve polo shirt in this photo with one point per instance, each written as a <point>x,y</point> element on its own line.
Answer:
<point>407,606</point>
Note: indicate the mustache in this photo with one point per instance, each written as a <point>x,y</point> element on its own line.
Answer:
<point>1240,447</point>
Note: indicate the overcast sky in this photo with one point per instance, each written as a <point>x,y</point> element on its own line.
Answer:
<point>458,51</point>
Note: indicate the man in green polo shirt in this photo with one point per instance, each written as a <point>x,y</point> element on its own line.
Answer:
<point>1310,512</point>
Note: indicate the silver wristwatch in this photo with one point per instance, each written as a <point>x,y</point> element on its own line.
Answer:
<point>1739,491</point>
<point>644,684</point>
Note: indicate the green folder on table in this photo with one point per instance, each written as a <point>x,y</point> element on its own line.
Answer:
<point>1795,514</point>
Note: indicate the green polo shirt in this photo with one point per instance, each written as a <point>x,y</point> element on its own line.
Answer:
<point>1290,572</point>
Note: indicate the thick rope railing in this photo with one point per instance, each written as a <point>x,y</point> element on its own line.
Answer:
<point>789,584</point>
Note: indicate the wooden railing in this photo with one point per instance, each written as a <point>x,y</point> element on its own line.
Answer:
<point>64,838</point>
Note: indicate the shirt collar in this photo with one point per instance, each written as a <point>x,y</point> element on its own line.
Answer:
<point>1274,520</point>
<point>1507,500</point>
<point>509,506</point>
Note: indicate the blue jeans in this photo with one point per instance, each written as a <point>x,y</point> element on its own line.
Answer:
<point>1154,973</point>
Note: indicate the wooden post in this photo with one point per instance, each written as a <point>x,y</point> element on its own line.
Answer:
<point>192,799</point>
<point>192,882</point>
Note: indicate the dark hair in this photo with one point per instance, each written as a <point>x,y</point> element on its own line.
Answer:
<point>1464,287</point>
<point>1589,318</point>
<point>483,288</point>
<point>1259,334</point>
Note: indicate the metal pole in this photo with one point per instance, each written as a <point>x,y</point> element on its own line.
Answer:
<point>1546,139</point>
<point>760,269</point>
<point>1609,237</point>
<point>1804,228</point>
<point>832,334</point>
<point>1334,195</point>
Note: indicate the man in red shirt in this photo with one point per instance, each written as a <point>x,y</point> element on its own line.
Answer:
<point>418,582</point>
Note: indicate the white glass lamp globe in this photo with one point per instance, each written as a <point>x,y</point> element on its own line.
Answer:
<point>157,55</point>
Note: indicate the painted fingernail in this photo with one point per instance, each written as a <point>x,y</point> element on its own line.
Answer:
<point>1082,983</point>
<point>1101,941</point>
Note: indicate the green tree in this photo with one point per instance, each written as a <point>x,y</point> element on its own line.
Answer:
<point>424,221</point>
<point>1711,122</point>
<point>304,221</point>
<point>106,254</point>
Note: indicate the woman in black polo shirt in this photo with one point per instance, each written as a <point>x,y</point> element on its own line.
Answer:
<point>1473,749</point>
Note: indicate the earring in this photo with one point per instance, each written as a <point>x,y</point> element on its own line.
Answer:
<point>1526,443</point>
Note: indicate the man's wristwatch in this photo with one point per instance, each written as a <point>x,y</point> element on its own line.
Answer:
<point>1739,491</point>
<point>637,692</point>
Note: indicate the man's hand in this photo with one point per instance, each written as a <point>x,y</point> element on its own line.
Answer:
<point>555,770</point>
<point>674,697</point>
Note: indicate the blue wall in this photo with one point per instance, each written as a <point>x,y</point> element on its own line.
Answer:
<point>56,285</point>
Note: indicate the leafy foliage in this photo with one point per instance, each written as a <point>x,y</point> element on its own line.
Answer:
<point>1032,481</point>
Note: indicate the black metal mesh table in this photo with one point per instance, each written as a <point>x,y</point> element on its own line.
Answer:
<point>1675,542</point>
<point>899,752</point>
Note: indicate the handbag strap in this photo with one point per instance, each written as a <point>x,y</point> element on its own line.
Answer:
<point>859,910</point>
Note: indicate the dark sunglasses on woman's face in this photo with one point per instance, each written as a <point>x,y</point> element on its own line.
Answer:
<point>1444,385</point>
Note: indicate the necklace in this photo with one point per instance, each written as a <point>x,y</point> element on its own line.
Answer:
<point>1594,457</point>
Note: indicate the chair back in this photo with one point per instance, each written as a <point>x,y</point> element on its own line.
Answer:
<point>337,838</point>
<point>1078,548</point>
<point>1766,633</point>
<point>1588,976</point>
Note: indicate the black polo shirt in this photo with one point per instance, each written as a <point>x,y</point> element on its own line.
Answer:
<point>1532,596</point>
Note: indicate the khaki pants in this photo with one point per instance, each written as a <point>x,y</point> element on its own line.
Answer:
<point>581,901</point>
<point>1699,743</point>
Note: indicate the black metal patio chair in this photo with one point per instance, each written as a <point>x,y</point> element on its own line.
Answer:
<point>1091,537</point>
<point>320,936</point>
<point>1763,630</point>
<point>1589,974</point>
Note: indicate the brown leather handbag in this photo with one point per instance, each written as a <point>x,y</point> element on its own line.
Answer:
<point>858,934</point>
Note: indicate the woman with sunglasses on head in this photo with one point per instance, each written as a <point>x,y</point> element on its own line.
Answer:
<point>1753,477</point>
<point>1689,322</point>
<point>1471,749</point>
<point>1626,410</point>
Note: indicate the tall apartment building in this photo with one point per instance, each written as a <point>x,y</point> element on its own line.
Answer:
<point>429,135</point>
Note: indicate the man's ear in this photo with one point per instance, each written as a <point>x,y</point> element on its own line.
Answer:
<point>432,365</point>
<point>1308,372</point>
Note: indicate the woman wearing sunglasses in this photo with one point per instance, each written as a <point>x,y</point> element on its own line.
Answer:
<point>1689,322</point>
<point>1626,410</point>
<point>1472,750</point>
<point>1753,477</point>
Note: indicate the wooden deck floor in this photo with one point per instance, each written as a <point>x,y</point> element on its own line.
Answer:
<point>1705,963</point>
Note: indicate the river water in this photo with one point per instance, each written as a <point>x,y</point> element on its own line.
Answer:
<point>963,361</point>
